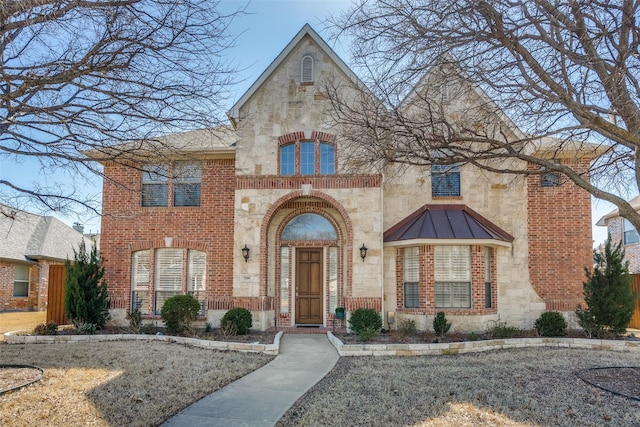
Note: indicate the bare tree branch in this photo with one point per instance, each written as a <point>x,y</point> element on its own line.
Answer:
<point>446,76</point>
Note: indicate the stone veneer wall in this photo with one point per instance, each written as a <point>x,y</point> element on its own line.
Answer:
<point>128,227</point>
<point>560,241</point>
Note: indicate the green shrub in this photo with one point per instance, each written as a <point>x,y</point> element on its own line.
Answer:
<point>365,318</point>
<point>440,324</point>
<point>50,328</point>
<point>85,291</point>
<point>88,328</point>
<point>407,327</point>
<point>135,320</point>
<point>551,324</point>
<point>608,294</point>
<point>368,334</point>
<point>208,327</point>
<point>147,329</point>
<point>238,318</point>
<point>501,330</point>
<point>472,336</point>
<point>178,313</point>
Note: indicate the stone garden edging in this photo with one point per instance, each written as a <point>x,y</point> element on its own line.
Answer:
<point>477,346</point>
<point>272,349</point>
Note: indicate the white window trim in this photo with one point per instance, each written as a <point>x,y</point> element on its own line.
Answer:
<point>303,77</point>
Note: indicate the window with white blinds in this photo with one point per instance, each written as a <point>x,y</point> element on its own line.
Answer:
<point>140,278</point>
<point>307,69</point>
<point>452,272</point>
<point>411,279</point>
<point>168,275</point>
<point>333,279</point>
<point>196,279</point>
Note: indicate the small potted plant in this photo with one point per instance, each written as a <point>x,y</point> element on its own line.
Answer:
<point>339,313</point>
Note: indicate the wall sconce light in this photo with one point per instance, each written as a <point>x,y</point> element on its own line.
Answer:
<point>245,253</point>
<point>363,252</point>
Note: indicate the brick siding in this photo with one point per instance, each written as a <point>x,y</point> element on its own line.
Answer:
<point>560,241</point>
<point>127,227</point>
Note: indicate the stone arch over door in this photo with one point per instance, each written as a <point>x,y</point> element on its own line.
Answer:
<point>315,202</point>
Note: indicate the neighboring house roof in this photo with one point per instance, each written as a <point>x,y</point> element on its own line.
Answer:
<point>635,203</point>
<point>446,222</point>
<point>30,237</point>
<point>234,113</point>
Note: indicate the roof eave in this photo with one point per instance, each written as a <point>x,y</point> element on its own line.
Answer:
<point>448,242</point>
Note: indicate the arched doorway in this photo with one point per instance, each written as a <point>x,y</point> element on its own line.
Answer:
<point>307,240</point>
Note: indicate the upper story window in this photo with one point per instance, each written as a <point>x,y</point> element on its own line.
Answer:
<point>550,178</point>
<point>307,69</point>
<point>445,180</point>
<point>630,233</point>
<point>155,185</point>
<point>307,158</point>
<point>185,184</point>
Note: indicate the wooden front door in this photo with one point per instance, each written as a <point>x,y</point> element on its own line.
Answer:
<point>309,300</point>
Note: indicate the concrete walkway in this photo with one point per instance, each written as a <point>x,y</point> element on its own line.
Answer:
<point>263,396</point>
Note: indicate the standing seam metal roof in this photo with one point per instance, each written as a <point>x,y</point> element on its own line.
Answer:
<point>445,222</point>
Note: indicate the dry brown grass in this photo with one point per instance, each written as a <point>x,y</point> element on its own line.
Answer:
<point>116,383</point>
<point>20,320</point>
<point>524,387</point>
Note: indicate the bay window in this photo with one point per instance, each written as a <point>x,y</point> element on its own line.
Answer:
<point>452,271</point>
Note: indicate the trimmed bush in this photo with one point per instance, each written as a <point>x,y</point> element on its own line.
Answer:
<point>608,294</point>
<point>85,291</point>
<point>440,324</point>
<point>237,319</point>
<point>50,328</point>
<point>407,327</point>
<point>501,330</point>
<point>178,313</point>
<point>551,324</point>
<point>365,318</point>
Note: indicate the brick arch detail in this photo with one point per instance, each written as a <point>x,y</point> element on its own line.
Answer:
<point>160,244</point>
<point>271,212</point>
<point>299,136</point>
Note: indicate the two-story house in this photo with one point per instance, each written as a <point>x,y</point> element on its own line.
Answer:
<point>269,218</point>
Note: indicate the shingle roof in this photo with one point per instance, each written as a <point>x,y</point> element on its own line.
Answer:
<point>28,237</point>
<point>446,222</point>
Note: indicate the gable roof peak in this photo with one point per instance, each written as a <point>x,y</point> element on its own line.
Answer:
<point>306,30</point>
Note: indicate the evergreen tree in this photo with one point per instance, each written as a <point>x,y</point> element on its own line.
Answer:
<point>608,294</point>
<point>85,294</point>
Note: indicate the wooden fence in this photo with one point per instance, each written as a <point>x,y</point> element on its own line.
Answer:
<point>55,308</point>
<point>635,285</point>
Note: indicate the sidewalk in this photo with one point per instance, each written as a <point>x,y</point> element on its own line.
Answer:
<point>262,397</point>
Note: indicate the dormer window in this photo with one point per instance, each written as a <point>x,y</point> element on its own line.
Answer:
<point>307,69</point>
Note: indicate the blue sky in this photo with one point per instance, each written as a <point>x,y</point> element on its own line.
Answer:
<point>262,34</point>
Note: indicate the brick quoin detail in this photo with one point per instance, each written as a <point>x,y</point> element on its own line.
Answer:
<point>560,241</point>
<point>129,227</point>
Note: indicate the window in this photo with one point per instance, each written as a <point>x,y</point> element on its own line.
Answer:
<point>333,279</point>
<point>550,179</point>
<point>140,278</point>
<point>487,277</point>
<point>630,233</point>
<point>307,69</point>
<point>452,271</point>
<point>307,158</point>
<point>196,278</point>
<point>21,281</point>
<point>445,180</point>
<point>284,280</point>
<point>411,273</point>
<point>186,185</point>
<point>309,226</point>
<point>287,160</point>
<point>155,185</point>
<point>170,277</point>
